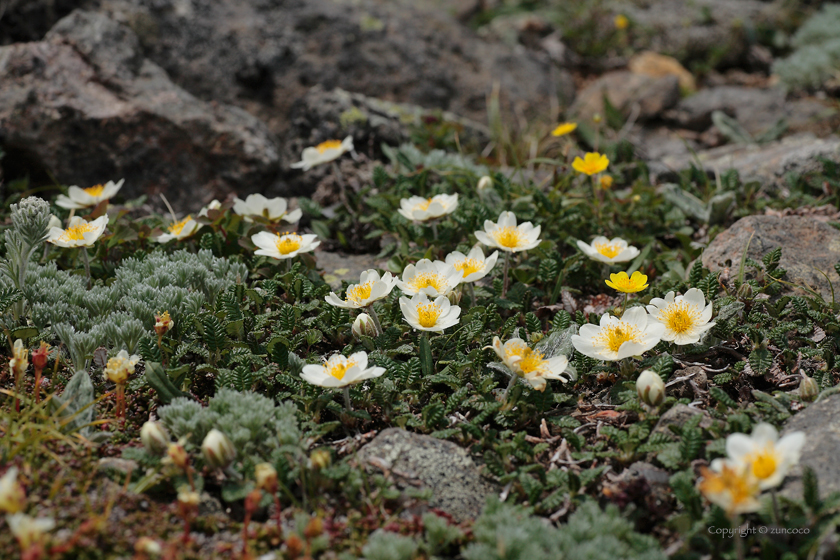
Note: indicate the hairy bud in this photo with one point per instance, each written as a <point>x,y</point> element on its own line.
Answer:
<point>650,388</point>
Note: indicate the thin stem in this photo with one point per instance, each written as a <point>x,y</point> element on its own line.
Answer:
<point>471,290</point>
<point>86,261</point>
<point>342,190</point>
<point>279,517</point>
<point>347,403</point>
<point>624,305</point>
<point>513,379</point>
<point>776,517</point>
<point>375,318</point>
<point>288,265</point>
<point>38,372</point>
<point>739,545</point>
<point>434,230</point>
<point>505,280</point>
<point>17,390</point>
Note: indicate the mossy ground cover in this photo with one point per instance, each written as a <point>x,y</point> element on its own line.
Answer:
<point>246,326</point>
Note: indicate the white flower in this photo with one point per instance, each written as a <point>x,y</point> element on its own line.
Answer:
<point>473,266</point>
<point>729,486</point>
<point>431,278</point>
<point>419,209</point>
<point>80,233</point>
<point>324,152</point>
<point>179,230</point>
<point>120,367</point>
<point>766,456</point>
<point>214,205</point>
<point>340,371</point>
<point>369,289</point>
<point>77,198</point>
<point>529,363</point>
<point>507,236</point>
<point>608,251</point>
<point>425,315</point>
<point>12,496</point>
<point>616,339</point>
<point>650,388</point>
<point>29,531</point>
<point>271,209</point>
<point>686,318</point>
<point>284,246</point>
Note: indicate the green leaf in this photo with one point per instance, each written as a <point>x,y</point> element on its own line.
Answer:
<point>760,361</point>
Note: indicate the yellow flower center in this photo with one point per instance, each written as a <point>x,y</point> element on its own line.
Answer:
<point>288,243</point>
<point>428,314</point>
<point>76,233</point>
<point>508,237</point>
<point>328,145</point>
<point>423,205</point>
<point>338,368</point>
<point>178,227</point>
<point>764,463</point>
<point>532,360</point>
<point>359,292</point>
<point>739,487</point>
<point>95,190</point>
<point>469,266</point>
<point>428,280</point>
<point>118,370</point>
<point>607,249</point>
<point>613,336</point>
<point>680,317</point>
<point>515,349</point>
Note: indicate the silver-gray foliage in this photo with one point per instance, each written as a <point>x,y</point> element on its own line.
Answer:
<point>817,55</point>
<point>30,226</point>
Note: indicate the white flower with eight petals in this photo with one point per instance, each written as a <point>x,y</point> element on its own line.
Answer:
<point>508,236</point>
<point>616,339</point>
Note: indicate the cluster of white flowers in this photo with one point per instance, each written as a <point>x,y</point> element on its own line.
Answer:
<point>680,319</point>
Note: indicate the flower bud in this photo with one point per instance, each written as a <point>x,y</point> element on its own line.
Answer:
<point>294,546</point>
<point>808,388</point>
<point>178,455</point>
<point>20,359</point>
<point>454,297</point>
<point>596,118</point>
<point>650,388</point>
<point>745,291</point>
<point>266,476</point>
<point>155,438</point>
<point>606,182</point>
<point>148,546</point>
<point>188,501</point>
<point>12,496</point>
<point>363,325</point>
<point>217,449</point>
<point>320,458</point>
<point>314,528</point>
<point>40,357</point>
<point>163,323</point>
<point>484,183</point>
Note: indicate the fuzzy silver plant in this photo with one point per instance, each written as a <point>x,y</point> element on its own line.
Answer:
<point>30,226</point>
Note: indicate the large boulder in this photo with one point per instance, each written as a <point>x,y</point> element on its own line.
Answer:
<point>85,105</point>
<point>821,424</point>
<point>265,55</point>
<point>419,462</point>
<point>809,249</point>
<point>645,95</point>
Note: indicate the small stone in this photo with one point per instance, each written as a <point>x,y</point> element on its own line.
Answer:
<point>418,461</point>
<point>821,424</point>
<point>115,464</point>
<point>627,90</point>
<point>682,380</point>
<point>808,247</point>
<point>678,415</point>
<point>657,65</point>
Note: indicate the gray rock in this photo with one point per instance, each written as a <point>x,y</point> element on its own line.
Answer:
<point>768,163</point>
<point>85,105</point>
<point>265,55</point>
<point>711,31</point>
<point>677,415</point>
<point>117,465</point>
<point>808,246</point>
<point>422,461</point>
<point>821,424</point>
<point>339,266</point>
<point>682,380</point>
<point>755,109</point>
<point>652,95</point>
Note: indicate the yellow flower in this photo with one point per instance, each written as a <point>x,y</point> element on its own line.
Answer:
<point>564,128</point>
<point>592,163</point>
<point>606,182</point>
<point>120,367</point>
<point>12,496</point>
<point>627,284</point>
<point>621,21</point>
